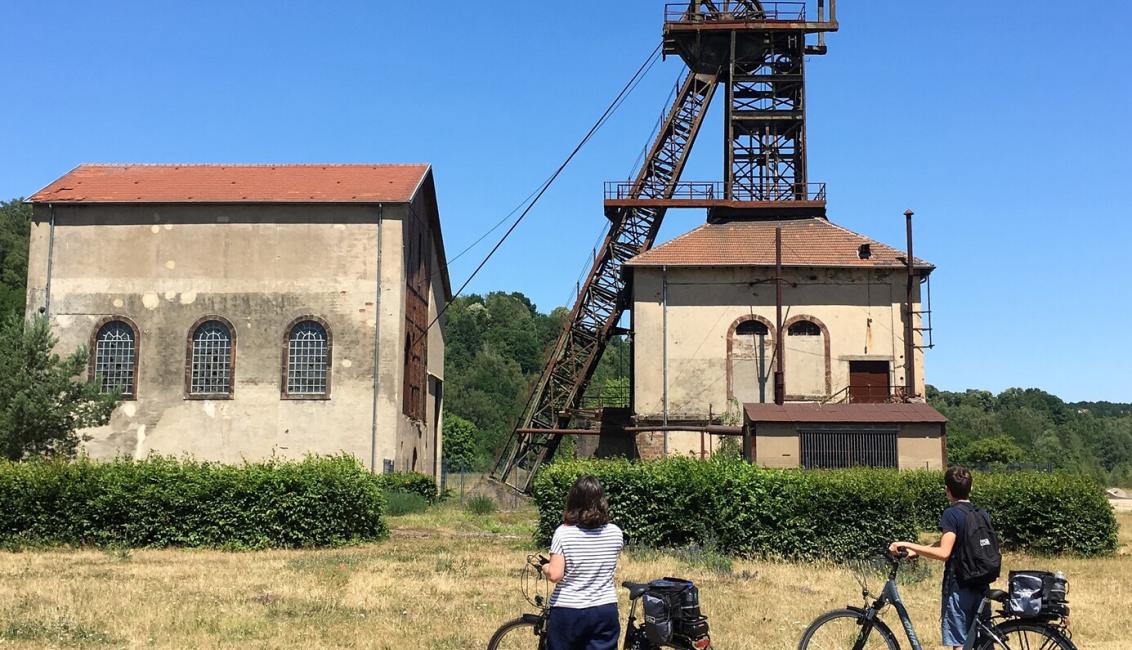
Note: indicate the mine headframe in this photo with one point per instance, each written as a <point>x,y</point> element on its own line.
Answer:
<point>756,51</point>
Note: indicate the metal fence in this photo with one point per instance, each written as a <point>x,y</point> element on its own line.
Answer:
<point>460,485</point>
<point>728,10</point>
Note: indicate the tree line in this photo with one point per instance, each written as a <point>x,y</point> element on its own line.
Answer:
<point>497,344</point>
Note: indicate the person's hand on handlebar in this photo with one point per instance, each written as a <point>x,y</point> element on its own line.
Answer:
<point>901,550</point>
<point>554,568</point>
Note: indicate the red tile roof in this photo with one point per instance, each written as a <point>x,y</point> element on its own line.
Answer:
<point>808,412</point>
<point>805,242</point>
<point>235,184</point>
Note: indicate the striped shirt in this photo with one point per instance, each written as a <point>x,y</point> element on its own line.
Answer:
<point>591,559</point>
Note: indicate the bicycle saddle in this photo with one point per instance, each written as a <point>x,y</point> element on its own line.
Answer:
<point>999,595</point>
<point>636,589</point>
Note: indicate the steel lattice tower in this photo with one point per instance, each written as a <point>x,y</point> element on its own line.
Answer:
<point>756,51</point>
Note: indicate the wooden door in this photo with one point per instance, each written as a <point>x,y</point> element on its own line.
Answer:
<point>868,382</point>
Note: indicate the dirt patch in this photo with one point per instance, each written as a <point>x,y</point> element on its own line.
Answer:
<point>1121,505</point>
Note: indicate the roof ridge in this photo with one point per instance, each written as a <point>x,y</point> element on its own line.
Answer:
<point>237,164</point>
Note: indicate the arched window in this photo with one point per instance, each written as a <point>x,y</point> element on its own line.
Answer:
<point>751,328</point>
<point>115,362</point>
<point>807,357</point>
<point>306,360</point>
<point>750,360</point>
<point>804,328</point>
<point>211,359</point>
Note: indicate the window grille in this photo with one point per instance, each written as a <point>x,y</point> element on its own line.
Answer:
<point>211,372</point>
<point>804,328</point>
<point>115,358</point>
<point>308,359</point>
<point>838,449</point>
<point>752,327</point>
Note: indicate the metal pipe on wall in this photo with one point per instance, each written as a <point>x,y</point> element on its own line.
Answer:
<point>909,316</point>
<point>664,348</point>
<point>376,343</point>
<point>762,368</point>
<point>780,371</point>
<point>50,262</point>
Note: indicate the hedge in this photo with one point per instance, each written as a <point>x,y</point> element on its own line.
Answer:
<point>161,502</point>
<point>413,482</point>
<point>741,509</point>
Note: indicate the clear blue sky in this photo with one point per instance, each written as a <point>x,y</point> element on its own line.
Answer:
<point>1005,125</point>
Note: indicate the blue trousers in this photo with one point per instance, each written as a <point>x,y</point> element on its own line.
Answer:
<point>592,628</point>
<point>960,604</point>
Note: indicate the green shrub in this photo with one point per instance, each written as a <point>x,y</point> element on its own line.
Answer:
<point>745,510</point>
<point>481,505</point>
<point>1048,513</point>
<point>399,503</point>
<point>162,502</point>
<point>415,482</point>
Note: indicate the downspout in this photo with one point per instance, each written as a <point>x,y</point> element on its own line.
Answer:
<point>50,262</point>
<point>780,350</point>
<point>376,343</point>
<point>664,349</point>
<point>909,316</point>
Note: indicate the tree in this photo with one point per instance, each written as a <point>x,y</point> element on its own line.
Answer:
<point>495,349</point>
<point>992,451</point>
<point>460,437</point>
<point>15,224</point>
<point>42,401</point>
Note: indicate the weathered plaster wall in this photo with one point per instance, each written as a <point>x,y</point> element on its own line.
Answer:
<point>777,445</point>
<point>920,446</point>
<point>860,309</point>
<point>259,267</point>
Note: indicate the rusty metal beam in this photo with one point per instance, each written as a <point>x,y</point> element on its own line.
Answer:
<point>604,297</point>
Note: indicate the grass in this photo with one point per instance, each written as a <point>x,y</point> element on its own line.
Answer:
<point>399,503</point>
<point>444,580</point>
<point>481,505</point>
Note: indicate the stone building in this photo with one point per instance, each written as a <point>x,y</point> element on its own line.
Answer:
<point>251,311</point>
<point>704,337</point>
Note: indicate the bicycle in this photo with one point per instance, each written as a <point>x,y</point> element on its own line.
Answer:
<point>528,632</point>
<point>861,628</point>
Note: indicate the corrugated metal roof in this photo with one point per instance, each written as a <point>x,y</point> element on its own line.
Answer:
<point>331,183</point>
<point>808,412</point>
<point>805,242</point>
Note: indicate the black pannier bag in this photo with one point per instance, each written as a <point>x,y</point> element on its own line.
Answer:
<point>1037,593</point>
<point>672,609</point>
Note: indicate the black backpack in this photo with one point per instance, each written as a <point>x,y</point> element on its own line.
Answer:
<point>978,561</point>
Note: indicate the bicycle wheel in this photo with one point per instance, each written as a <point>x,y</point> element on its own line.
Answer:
<point>1027,635</point>
<point>519,634</point>
<point>842,628</point>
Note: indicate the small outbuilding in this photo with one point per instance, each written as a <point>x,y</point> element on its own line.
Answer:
<point>910,435</point>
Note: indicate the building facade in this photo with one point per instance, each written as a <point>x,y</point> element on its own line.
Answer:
<point>705,335</point>
<point>251,311</point>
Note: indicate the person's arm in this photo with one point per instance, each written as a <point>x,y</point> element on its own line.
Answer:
<point>941,550</point>
<point>555,568</point>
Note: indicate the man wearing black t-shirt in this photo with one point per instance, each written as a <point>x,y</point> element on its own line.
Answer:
<point>960,603</point>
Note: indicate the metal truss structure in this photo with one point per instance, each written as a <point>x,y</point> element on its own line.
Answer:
<point>756,51</point>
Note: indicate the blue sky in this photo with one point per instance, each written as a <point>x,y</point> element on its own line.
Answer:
<point>1005,126</point>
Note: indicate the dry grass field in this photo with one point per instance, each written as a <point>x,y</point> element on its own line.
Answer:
<point>444,579</point>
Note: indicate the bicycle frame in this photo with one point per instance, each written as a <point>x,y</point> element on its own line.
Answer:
<point>891,595</point>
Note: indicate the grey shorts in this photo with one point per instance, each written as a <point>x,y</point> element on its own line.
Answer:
<point>960,605</point>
